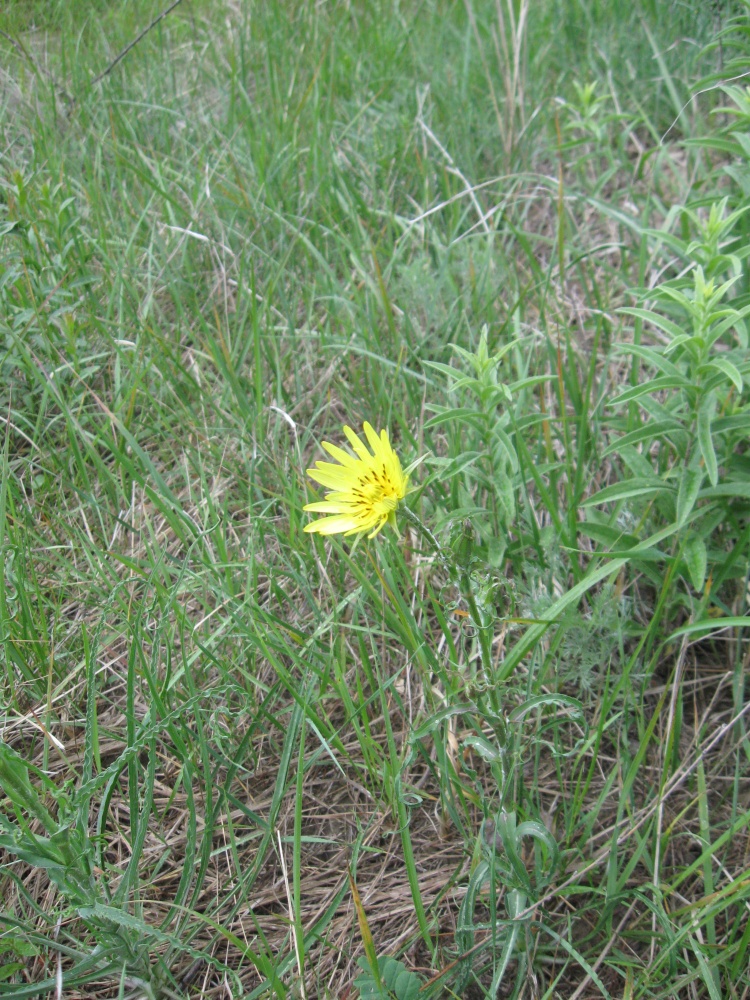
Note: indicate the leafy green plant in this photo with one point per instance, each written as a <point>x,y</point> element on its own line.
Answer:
<point>687,453</point>
<point>396,981</point>
<point>68,856</point>
<point>15,950</point>
<point>500,742</point>
<point>65,850</point>
<point>594,135</point>
<point>502,866</point>
<point>482,432</point>
<point>46,303</point>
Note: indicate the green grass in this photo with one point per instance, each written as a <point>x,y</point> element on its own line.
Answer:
<point>506,755</point>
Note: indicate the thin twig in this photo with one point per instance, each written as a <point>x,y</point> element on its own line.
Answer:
<point>131,45</point>
<point>453,169</point>
<point>660,808</point>
<point>595,967</point>
<point>19,48</point>
<point>677,778</point>
<point>39,70</point>
<point>292,922</point>
<point>105,72</point>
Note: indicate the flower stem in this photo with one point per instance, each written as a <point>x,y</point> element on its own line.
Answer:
<point>424,530</point>
<point>460,578</point>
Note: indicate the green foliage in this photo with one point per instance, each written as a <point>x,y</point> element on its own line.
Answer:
<point>67,855</point>
<point>13,952</point>
<point>503,866</point>
<point>486,475</point>
<point>516,234</point>
<point>398,983</point>
<point>687,455</point>
<point>46,301</point>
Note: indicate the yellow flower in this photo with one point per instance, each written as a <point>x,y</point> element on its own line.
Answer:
<point>364,490</point>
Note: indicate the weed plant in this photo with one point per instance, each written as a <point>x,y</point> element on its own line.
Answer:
<point>502,753</point>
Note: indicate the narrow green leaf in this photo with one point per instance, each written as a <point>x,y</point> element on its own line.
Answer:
<point>483,747</point>
<point>696,559</point>
<point>651,431</point>
<point>711,625</point>
<point>541,700</point>
<point>734,488</point>
<point>655,319</point>
<point>635,487</point>
<point>646,388</point>
<point>705,441</point>
<point>725,366</point>
<point>690,483</point>
<point>706,973</point>
<point>652,356</point>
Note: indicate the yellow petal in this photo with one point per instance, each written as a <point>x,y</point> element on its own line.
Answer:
<point>334,480</point>
<point>351,475</point>
<point>344,496</point>
<point>378,529</point>
<point>340,455</point>
<point>332,525</point>
<point>385,443</point>
<point>328,507</point>
<point>374,441</point>
<point>357,445</point>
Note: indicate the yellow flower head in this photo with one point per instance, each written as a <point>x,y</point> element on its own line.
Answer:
<point>364,490</point>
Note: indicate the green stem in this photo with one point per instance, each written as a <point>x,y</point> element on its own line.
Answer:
<point>424,530</point>
<point>463,582</point>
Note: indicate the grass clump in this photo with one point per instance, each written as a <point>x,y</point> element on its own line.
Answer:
<point>502,753</point>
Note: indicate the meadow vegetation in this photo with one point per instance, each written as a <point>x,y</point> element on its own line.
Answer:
<point>504,753</point>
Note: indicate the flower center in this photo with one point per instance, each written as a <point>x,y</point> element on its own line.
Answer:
<point>384,505</point>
